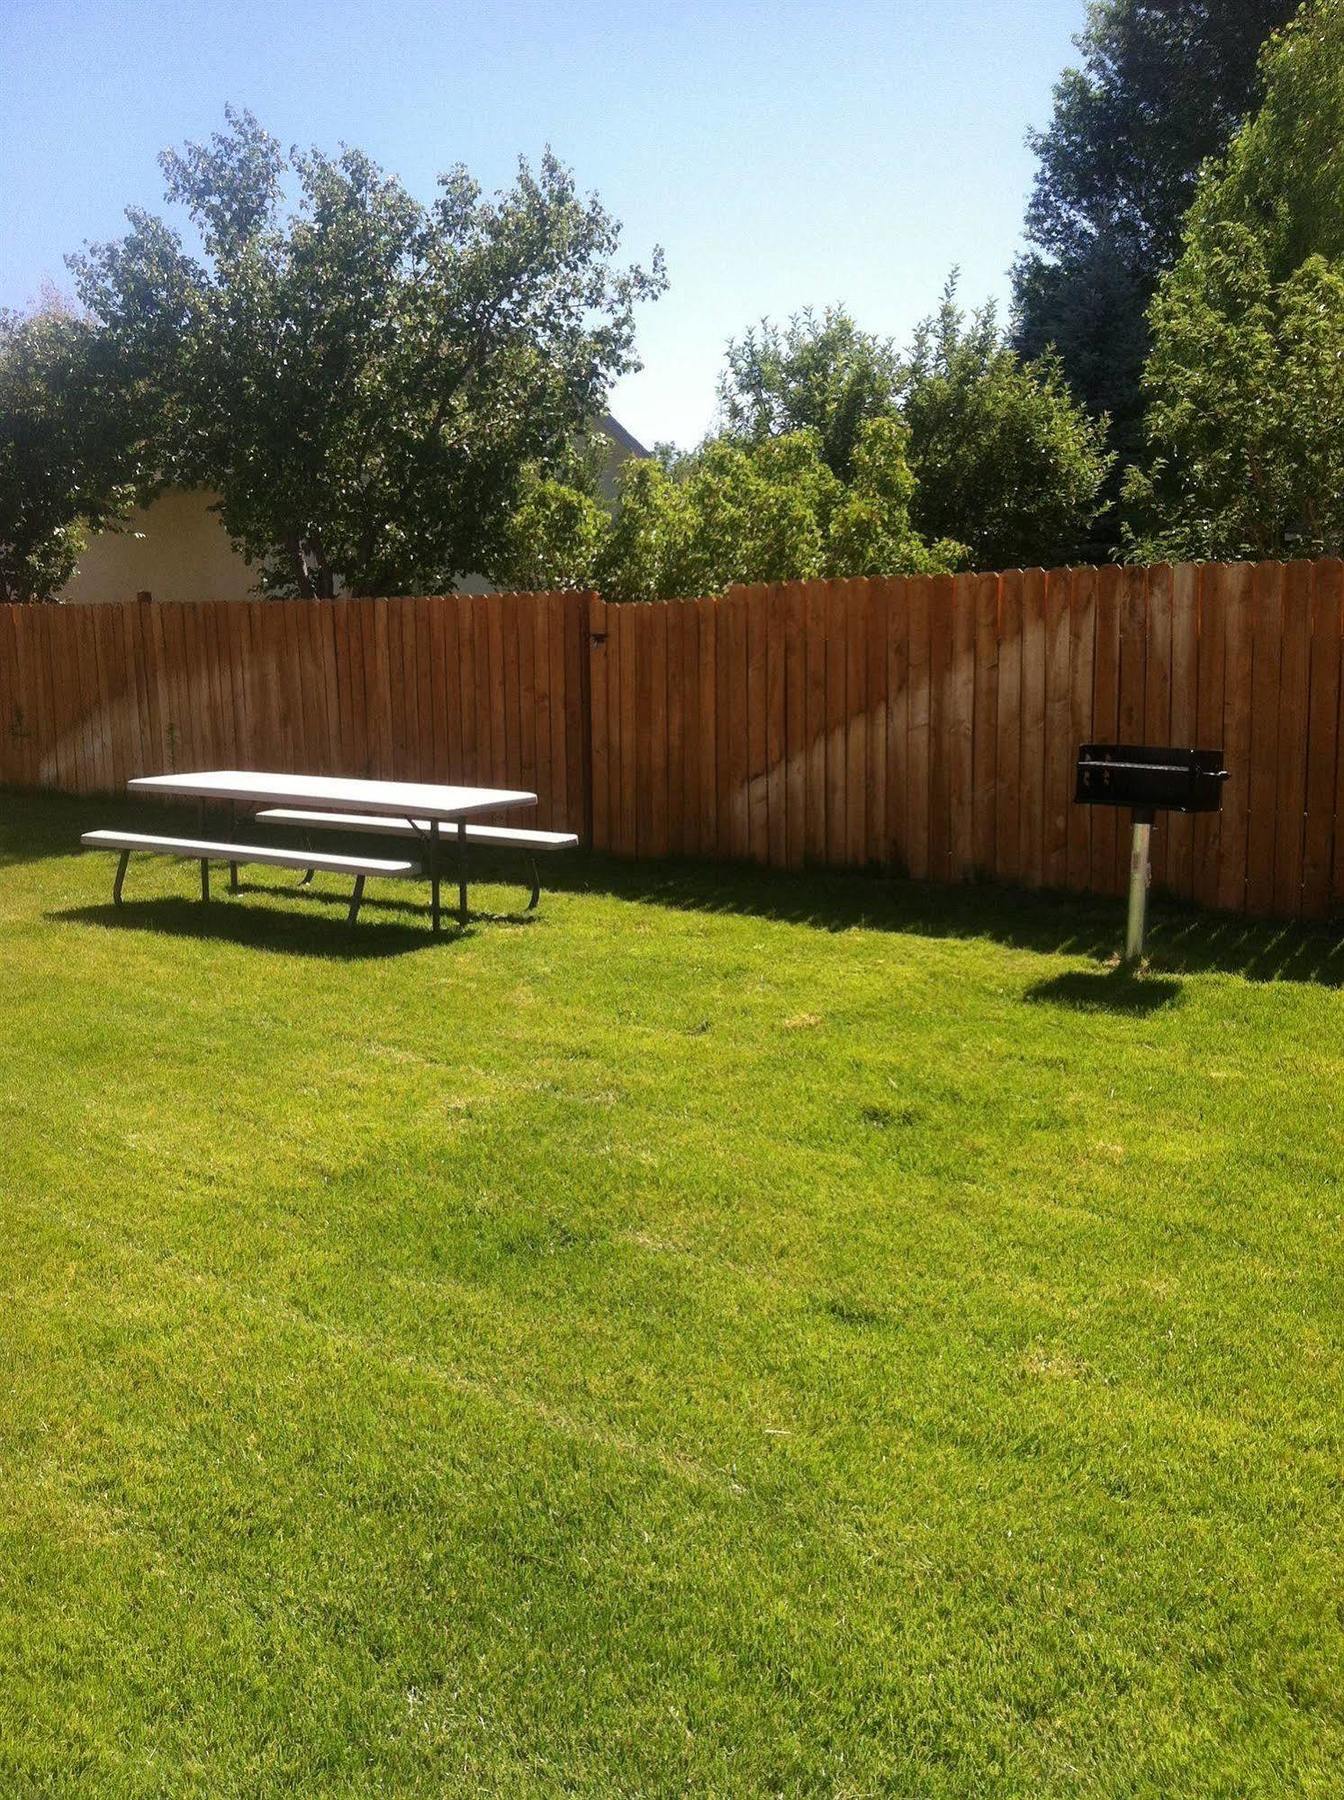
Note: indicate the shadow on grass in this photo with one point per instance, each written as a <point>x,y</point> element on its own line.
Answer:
<point>1182,940</point>
<point>266,928</point>
<point>1112,990</point>
<point>315,896</point>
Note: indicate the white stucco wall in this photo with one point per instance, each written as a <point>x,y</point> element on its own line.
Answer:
<point>175,548</point>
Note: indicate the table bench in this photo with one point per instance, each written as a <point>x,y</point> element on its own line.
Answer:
<point>511,837</point>
<point>206,851</point>
<point>430,811</point>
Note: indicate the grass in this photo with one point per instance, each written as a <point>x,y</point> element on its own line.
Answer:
<point>731,1335</point>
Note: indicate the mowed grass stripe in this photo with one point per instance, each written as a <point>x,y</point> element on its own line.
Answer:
<point>735,1335</point>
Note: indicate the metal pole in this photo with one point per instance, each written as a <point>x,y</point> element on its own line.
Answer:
<point>434,873</point>
<point>1137,924</point>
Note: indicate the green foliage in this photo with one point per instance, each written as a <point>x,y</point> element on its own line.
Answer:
<point>1246,376</point>
<point>962,453</point>
<point>365,380</point>
<point>65,453</point>
<point>553,538</point>
<point>729,513</point>
<point>817,373</point>
<point>649,532</point>
<point>40,484</point>
<point>1163,85</point>
<point>1006,459</point>
<point>1006,463</point>
<point>870,531</point>
<point>771,511</point>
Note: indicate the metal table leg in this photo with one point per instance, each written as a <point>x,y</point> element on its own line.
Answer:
<point>433,859</point>
<point>462,873</point>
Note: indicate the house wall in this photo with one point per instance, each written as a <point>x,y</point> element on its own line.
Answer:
<point>175,548</point>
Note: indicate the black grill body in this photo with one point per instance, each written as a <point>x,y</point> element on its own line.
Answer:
<point>1150,779</point>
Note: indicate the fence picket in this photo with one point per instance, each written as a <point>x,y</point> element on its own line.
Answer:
<point>1082,654</point>
<point>795,725</point>
<point>837,739</point>
<point>918,728</point>
<point>1008,729</point>
<point>676,614</point>
<point>852,596</point>
<point>653,733</point>
<point>961,729</point>
<point>985,726</point>
<point>1211,690</point>
<point>1184,716</point>
<point>1133,681</point>
<point>1157,697</point>
<point>940,734</point>
<point>707,613</point>
<point>1266,669</point>
<point>1237,670</point>
<point>894,610</point>
<point>816,628</point>
<point>876,609</point>
<point>1291,741</point>
<point>775,764</point>
<point>1324,828</point>
<point>1032,808</point>
<point>755,603</point>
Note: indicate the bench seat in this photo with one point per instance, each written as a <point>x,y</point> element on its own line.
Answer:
<point>393,827</point>
<point>503,837</point>
<point>205,851</point>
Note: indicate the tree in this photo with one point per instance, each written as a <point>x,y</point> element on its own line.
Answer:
<point>871,530</point>
<point>771,511</point>
<point>67,456</point>
<point>697,522</point>
<point>1006,461</point>
<point>1163,85</point>
<point>729,513</point>
<point>365,380</point>
<point>1246,377</point>
<point>817,373</point>
<point>554,537</point>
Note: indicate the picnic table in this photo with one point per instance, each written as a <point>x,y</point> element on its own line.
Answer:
<point>420,810</point>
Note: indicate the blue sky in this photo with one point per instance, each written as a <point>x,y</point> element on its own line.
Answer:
<point>783,152</point>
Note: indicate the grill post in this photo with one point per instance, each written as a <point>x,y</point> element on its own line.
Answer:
<point>1136,926</point>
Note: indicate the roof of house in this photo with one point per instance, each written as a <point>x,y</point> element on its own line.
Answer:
<point>623,439</point>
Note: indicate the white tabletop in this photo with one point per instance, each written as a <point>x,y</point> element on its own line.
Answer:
<point>405,799</point>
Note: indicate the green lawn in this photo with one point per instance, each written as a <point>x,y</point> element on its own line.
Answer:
<point>731,1335</point>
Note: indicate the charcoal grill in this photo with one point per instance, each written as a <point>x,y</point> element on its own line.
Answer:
<point>1148,779</point>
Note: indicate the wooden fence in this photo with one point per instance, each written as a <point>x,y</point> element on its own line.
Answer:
<point>926,724</point>
<point>931,724</point>
<point>486,690</point>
